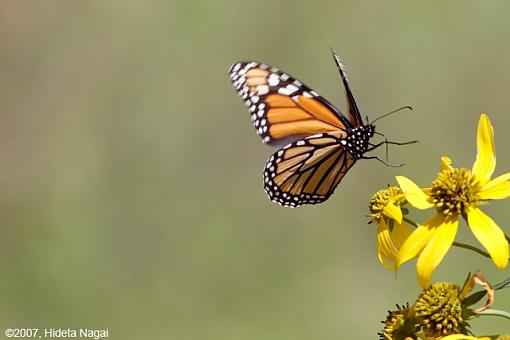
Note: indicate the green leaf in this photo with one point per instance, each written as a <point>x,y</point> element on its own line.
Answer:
<point>503,284</point>
<point>466,280</point>
<point>391,224</point>
<point>473,298</point>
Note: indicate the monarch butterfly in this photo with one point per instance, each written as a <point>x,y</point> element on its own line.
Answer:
<point>318,143</point>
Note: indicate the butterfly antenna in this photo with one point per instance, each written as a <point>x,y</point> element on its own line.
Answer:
<point>389,113</point>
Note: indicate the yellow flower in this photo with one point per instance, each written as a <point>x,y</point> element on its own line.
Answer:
<point>385,210</point>
<point>442,309</point>
<point>399,325</point>
<point>463,337</point>
<point>439,309</point>
<point>440,312</point>
<point>457,192</point>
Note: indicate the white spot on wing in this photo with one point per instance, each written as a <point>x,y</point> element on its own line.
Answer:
<point>285,91</point>
<point>273,80</point>
<point>262,89</point>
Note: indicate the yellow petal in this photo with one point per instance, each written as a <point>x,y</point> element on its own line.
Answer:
<point>385,263</point>
<point>386,250</point>
<point>414,195</point>
<point>436,249</point>
<point>400,233</point>
<point>418,239</point>
<point>489,235</point>
<point>463,337</point>
<point>389,242</point>
<point>497,189</point>
<point>393,212</point>
<point>446,163</point>
<point>486,154</point>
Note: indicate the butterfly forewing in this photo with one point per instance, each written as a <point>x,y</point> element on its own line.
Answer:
<point>282,108</point>
<point>354,113</point>
<point>307,171</point>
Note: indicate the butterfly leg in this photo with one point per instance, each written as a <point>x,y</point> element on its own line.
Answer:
<point>387,149</point>
<point>375,146</point>
<point>385,163</point>
<point>400,143</point>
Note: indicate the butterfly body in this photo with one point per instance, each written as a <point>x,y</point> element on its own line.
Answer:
<point>357,140</point>
<point>318,143</point>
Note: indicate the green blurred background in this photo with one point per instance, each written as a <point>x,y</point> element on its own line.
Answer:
<point>131,195</point>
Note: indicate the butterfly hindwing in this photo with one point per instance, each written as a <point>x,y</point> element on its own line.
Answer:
<point>282,108</point>
<point>307,171</point>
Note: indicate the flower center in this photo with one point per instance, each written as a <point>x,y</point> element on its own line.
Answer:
<point>381,200</point>
<point>440,310</point>
<point>399,325</point>
<point>455,190</point>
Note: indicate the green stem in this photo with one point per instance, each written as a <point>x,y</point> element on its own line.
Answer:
<point>411,222</point>
<point>503,284</point>
<point>473,248</point>
<point>496,312</point>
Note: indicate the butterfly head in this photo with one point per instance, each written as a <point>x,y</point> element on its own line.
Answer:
<point>370,129</point>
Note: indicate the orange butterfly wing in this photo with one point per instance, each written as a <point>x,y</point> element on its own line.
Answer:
<point>283,109</point>
<point>307,171</point>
